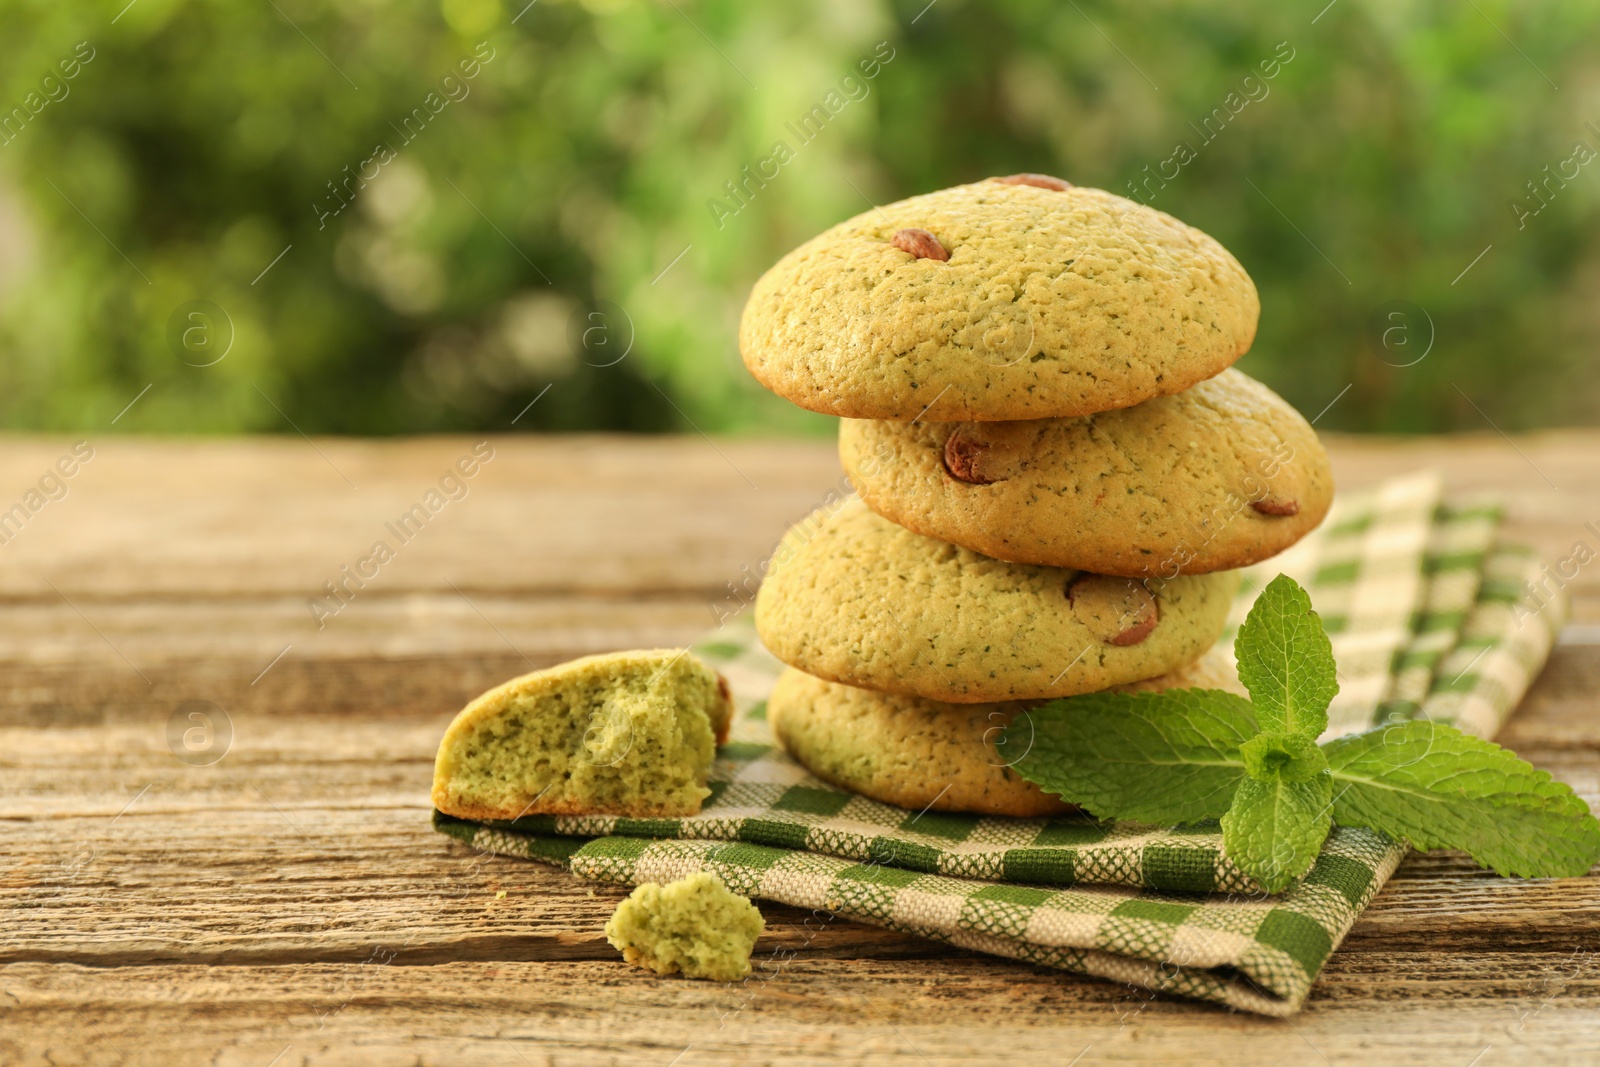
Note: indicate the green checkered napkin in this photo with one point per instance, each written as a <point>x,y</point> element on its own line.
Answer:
<point>1429,619</point>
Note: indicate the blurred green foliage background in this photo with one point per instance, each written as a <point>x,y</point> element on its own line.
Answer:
<point>572,175</point>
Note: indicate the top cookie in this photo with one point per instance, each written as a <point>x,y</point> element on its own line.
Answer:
<point>1051,302</point>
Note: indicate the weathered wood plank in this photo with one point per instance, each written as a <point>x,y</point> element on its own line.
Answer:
<point>274,517</point>
<point>811,1011</point>
<point>416,654</point>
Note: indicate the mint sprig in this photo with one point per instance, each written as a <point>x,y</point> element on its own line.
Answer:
<point>1188,755</point>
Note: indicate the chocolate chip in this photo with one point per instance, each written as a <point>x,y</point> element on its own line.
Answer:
<point>1119,611</point>
<point>1042,181</point>
<point>919,243</point>
<point>963,458</point>
<point>1276,507</point>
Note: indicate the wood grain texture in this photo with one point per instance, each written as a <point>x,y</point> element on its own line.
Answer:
<point>290,905</point>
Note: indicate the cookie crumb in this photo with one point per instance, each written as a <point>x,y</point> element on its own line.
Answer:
<point>695,926</point>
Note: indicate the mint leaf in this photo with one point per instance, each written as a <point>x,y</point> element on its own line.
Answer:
<point>1168,757</point>
<point>1275,829</point>
<point>1286,660</point>
<point>1275,754</point>
<point>1440,788</point>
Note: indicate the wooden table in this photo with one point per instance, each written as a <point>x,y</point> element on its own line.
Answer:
<point>289,903</point>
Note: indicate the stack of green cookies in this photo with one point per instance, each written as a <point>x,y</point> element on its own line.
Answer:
<point>1058,476</point>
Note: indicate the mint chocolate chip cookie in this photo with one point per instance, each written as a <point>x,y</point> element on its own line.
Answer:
<point>1019,298</point>
<point>927,754</point>
<point>625,733</point>
<point>1218,477</point>
<point>856,599</point>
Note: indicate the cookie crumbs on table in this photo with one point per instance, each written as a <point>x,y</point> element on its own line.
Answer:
<point>695,926</point>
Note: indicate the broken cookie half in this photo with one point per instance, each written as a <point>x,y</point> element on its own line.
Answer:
<point>624,733</point>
